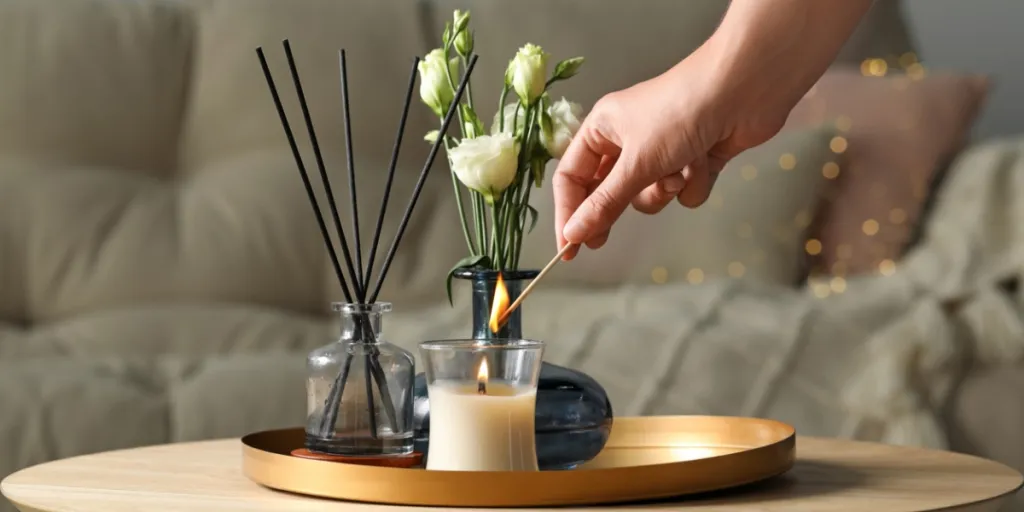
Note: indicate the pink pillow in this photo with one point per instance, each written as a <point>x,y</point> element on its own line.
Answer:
<point>895,134</point>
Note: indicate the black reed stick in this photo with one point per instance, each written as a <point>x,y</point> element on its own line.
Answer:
<point>391,172</point>
<point>350,161</point>
<point>305,176</point>
<point>342,240</point>
<point>370,357</point>
<point>441,134</point>
<point>363,326</point>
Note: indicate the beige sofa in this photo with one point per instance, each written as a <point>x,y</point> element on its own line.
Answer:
<point>161,277</point>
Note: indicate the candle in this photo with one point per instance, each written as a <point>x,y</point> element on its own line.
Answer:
<point>483,396</point>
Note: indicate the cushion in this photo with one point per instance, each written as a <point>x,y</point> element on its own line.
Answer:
<point>898,133</point>
<point>751,227</point>
<point>94,82</point>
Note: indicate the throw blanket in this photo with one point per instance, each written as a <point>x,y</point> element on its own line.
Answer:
<point>876,359</point>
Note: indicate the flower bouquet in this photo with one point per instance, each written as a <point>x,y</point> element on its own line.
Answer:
<point>497,168</point>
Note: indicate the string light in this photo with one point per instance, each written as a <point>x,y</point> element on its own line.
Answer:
<point>908,59</point>
<point>837,285</point>
<point>887,267</point>
<point>844,123</point>
<point>736,269</point>
<point>897,216</point>
<point>870,227</point>
<point>838,144</point>
<point>659,275</point>
<point>787,161</point>
<point>695,276</point>
<point>749,172</point>
<point>916,71</point>
<point>821,289</point>
<point>813,247</point>
<point>830,170</point>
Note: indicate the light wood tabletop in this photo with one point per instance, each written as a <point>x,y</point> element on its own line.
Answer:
<point>830,475</point>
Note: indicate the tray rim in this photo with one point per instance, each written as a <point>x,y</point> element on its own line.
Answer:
<point>594,486</point>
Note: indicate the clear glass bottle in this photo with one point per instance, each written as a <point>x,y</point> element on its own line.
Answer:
<point>359,389</point>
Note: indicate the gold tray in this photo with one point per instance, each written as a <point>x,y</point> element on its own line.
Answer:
<point>645,458</point>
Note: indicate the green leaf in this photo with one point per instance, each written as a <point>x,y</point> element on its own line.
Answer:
<point>446,36</point>
<point>567,69</point>
<point>532,213</point>
<point>469,261</point>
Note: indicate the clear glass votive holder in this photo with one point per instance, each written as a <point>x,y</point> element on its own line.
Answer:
<point>483,396</point>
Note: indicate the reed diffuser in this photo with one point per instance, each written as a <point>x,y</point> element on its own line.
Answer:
<point>360,394</point>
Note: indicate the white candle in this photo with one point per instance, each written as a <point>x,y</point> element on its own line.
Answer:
<point>476,427</point>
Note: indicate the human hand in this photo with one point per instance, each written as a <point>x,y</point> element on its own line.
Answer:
<point>668,138</point>
<point>661,140</point>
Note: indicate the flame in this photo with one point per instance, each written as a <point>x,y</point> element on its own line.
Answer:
<point>481,378</point>
<point>499,305</point>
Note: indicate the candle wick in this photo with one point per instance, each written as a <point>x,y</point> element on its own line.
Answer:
<point>481,387</point>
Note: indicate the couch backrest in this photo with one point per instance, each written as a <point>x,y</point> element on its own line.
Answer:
<point>141,159</point>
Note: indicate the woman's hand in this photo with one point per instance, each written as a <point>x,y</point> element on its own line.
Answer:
<point>668,138</point>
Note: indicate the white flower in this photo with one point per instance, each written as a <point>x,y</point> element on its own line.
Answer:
<point>528,73</point>
<point>487,164</point>
<point>435,89</point>
<point>565,122</point>
<point>510,119</point>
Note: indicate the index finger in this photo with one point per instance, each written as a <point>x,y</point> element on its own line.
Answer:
<point>576,175</point>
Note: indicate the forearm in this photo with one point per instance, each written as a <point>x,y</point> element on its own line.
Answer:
<point>783,44</point>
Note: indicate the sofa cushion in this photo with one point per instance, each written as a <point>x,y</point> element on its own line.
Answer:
<point>900,132</point>
<point>94,82</point>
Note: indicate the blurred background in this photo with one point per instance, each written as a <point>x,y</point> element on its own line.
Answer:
<point>162,279</point>
<point>976,37</point>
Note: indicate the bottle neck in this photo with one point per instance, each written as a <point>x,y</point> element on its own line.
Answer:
<point>361,323</point>
<point>482,289</point>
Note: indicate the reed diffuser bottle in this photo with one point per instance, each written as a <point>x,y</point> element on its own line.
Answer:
<point>359,389</point>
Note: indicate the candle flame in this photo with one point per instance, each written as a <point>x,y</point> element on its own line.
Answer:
<point>481,378</point>
<point>499,305</point>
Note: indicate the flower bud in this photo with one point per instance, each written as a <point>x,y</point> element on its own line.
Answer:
<point>460,20</point>
<point>567,68</point>
<point>559,126</point>
<point>528,71</point>
<point>435,89</point>
<point>487,164</point>
<point>464,43</point>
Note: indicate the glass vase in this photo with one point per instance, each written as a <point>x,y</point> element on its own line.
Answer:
<point>573,414</point>
<point>360,389</point>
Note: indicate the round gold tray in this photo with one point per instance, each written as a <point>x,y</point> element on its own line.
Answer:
<point>645,458</point>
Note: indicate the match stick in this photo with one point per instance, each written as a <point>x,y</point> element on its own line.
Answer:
<point>526,291</point>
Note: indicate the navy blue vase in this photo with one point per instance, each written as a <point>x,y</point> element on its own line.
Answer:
<point>574,416</point>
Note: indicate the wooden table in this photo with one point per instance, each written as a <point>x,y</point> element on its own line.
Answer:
<point>830,475</point>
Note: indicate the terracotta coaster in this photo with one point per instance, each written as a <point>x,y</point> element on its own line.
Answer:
<point>404,461</point>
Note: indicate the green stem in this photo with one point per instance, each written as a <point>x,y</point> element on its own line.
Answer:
<point>478,220</point>
<point>469,85</point>
<point>496,261</point>
<point>501,108</point>
<point>458,204</point>
<point>448,75</point>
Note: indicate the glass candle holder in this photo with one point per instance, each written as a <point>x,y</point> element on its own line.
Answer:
<point>360,389</point>
<point>482,404</point>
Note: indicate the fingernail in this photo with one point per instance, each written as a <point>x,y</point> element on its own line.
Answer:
<point>673,184</point>
<point>573,231</point>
